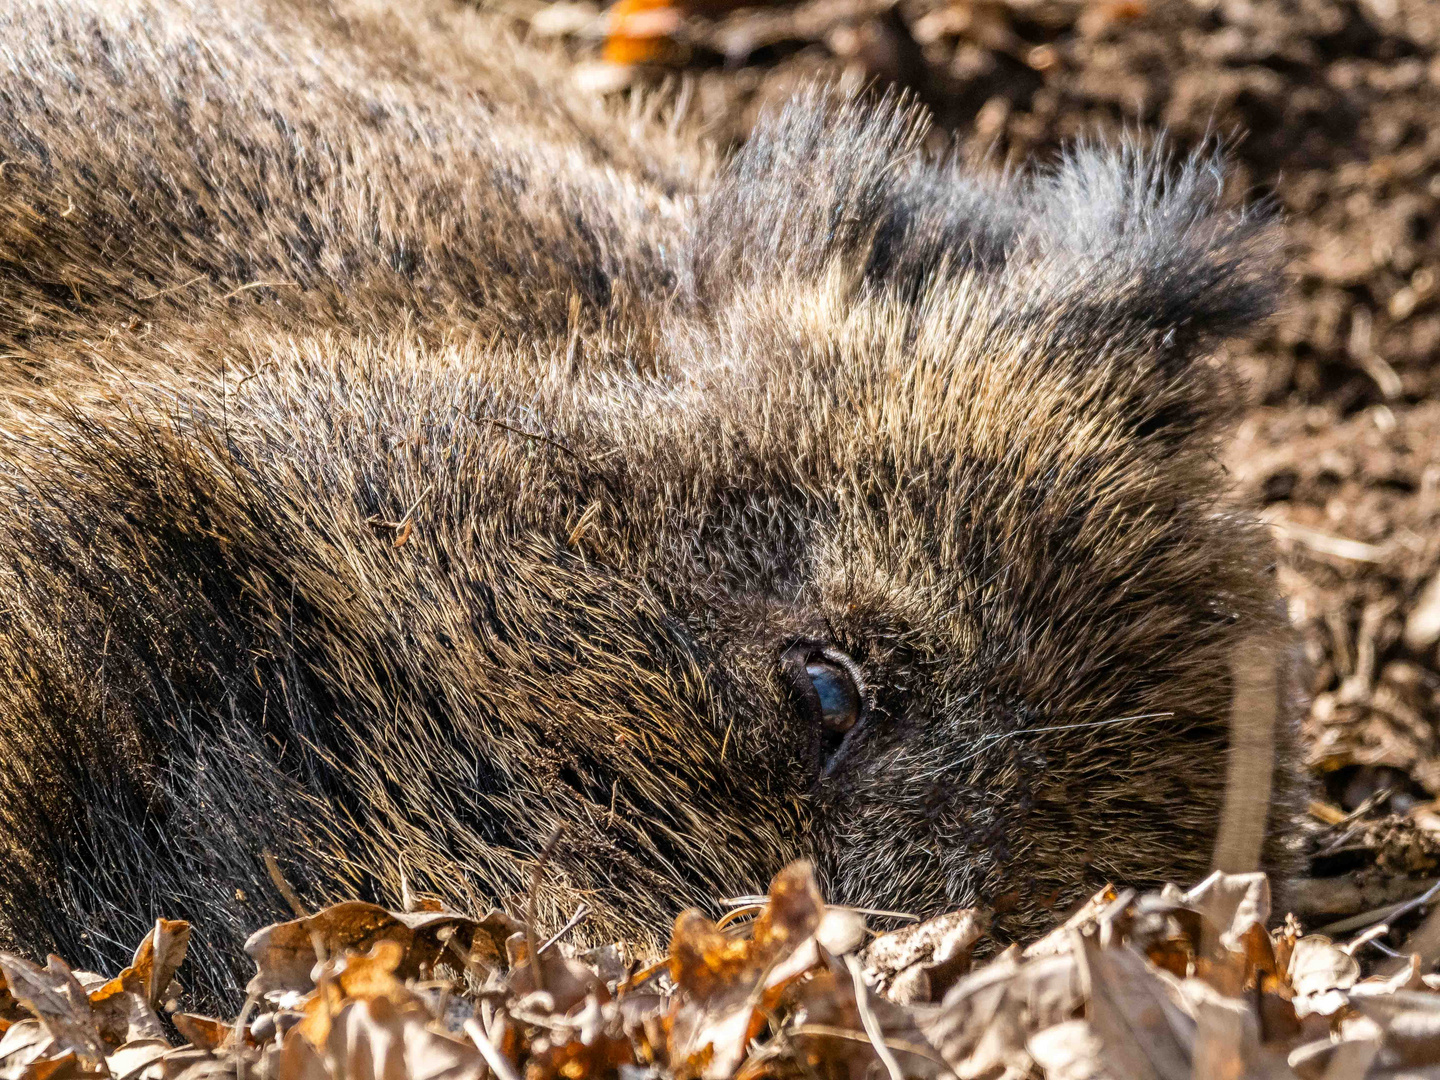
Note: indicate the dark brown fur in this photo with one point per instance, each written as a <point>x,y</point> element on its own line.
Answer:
<point>282,286</point>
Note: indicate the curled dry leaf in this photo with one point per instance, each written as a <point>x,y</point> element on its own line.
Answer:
<point>567,982</point>
<point>381,1039</point>
<point>138,1060</point>
<point>829,1031</point>
<point>728,983</point>
<point>982,1025</point>
<point>920,963</point>
<point>1232,905</point>
<point>25,1041</point>
<point>1136,1011</point>
<point>284,953</point>
<point>157,959</point>
<point>57,1000</point>
<point>1410,1026</point>
<point>121,1016</point>
<point>203,1032</point>
<point>1059,939</point>
<point>1318,972</point>
<point>352,976</point>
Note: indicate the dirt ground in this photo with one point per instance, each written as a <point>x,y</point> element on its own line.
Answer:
<point>1328,108</point>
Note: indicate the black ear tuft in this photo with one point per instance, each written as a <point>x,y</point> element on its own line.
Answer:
<point>1129,248</point>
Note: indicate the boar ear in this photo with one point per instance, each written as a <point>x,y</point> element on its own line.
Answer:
<point>1112,249</point>
<point>1129,249</point>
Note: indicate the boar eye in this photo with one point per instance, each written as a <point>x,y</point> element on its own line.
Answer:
<point>839,700</point>
<point>827,683</point>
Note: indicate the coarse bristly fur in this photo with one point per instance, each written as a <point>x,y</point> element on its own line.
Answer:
<point>402,455</point>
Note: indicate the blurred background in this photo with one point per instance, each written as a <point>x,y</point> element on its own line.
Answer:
<point>1329,107</point>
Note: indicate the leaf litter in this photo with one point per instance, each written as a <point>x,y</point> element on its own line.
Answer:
<point>1167,985</point>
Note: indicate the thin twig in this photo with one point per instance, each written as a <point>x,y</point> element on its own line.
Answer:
<point>280,883</point>
<point>1339,547</point>
<point>316,940</point>
<point>496,1060</point>
<point>237,1039</point>
<point>761,901</point>
<point>738,912</point>
<point>1425,941</point>
<point>1389,913</point>
<point>407,898</point>
<point>1350,948</point>
<point>416,504</point>
<point>536,435</point>
<point>870,1022</point>
<point>570,924</point>
<point>558,445</point>
<point>535,881</point>
<point>859,1036</point>
<point>253,374</point>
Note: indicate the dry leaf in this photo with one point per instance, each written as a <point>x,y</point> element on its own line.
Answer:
<point>1409,1023</point>
<point>204,1032</point>
<point>1232,904</point>
<point>727,982</point>
<point>285,953</point>
<point>138,1060</point>
<point>920,963</point>
<point>568,983</point>
<point>984,1022</point>
<point>1068,1051</point>
<point>24,1041</point>
<point>55,998</point>
<point>1134,1011</point>
<point>1317,966</point>
<point>377,1039</point>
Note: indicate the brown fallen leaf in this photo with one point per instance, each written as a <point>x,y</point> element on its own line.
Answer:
<point>982,1025</point>
<point>920,963</point>
<point>1136,1013</point>
<point>350,977</point>
<point>57,1000</point>
<point>157,958</point>
<point>835,1031</point>
<point>294,1058</point>
<point>380,1039</point>
<point>121,1016</point>
<point>204,1032</point>
<point>566,981</point>
<point>1232,904</point>
<point>124,1007</point>
<point>728,983</point>
<point>1409,1023</point>
<point>138,1060</point>
<point>284,953</point>
<point>601,1055</point>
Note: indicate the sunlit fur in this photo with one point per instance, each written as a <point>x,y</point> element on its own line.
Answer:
<point>403,453</point>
